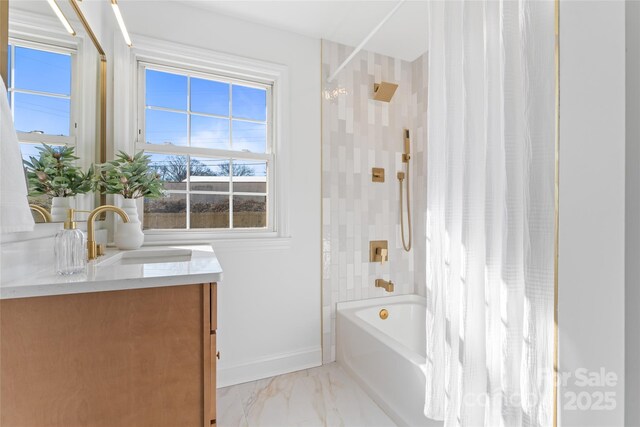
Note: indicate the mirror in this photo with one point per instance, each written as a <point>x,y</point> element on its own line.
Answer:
<point>57,91</point>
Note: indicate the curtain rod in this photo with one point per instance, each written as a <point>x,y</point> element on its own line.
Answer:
<point>366,39</point>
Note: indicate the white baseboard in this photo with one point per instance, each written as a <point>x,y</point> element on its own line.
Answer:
<point>269,366</point>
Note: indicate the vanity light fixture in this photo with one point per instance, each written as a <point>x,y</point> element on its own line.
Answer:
<point>123,28</point>
<point>61,17</point>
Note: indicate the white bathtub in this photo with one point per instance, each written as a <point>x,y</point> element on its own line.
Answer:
<point>387,357</point>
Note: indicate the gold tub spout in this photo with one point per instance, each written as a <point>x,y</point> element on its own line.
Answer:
<point>46,216</point>
<point>387,286</point>
<point>92,250</point>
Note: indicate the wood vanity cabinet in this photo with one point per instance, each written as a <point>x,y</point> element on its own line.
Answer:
<point>140,357</point>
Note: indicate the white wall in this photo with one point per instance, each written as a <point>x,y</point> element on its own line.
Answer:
<point>269,300</point>
<point>632,255</point>
<point>592,202</point>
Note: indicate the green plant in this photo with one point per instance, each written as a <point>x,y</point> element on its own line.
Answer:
<point>129,176</point>
<point>54,173</point>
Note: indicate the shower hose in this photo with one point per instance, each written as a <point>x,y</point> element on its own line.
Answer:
<point>407,247</point>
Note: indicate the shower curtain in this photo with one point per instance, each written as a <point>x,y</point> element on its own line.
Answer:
<point>490,213</point>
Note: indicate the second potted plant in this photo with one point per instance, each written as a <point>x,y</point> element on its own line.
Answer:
<point>132,178</point>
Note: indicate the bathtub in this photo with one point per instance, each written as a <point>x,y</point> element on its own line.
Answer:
<point>387,356</point>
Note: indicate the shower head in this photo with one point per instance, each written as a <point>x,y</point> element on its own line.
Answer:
<point>384,91</point>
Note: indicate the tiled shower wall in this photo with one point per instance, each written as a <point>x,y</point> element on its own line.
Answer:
<point>359,134</point>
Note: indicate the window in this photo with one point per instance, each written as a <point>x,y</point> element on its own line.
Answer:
<point>40,94</point>
<point>209,138</point>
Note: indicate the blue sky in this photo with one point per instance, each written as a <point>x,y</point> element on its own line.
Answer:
<point>40,71</point>
<point>207,97</point>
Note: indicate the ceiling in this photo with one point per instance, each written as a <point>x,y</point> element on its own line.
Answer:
<point>348,22</point>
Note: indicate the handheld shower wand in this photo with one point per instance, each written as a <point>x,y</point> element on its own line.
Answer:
<point>406,156</point>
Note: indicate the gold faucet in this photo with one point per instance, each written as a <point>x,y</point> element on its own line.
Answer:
<point>46,216</point>
<point>387,286</point>
<point>92,249</point>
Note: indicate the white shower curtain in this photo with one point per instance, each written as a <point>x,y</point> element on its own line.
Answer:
<point>490,212</point>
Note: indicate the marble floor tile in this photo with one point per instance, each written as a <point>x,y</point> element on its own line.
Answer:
<point>322,396</point>
<point>229,410</point>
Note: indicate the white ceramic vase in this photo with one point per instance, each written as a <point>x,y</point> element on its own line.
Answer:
<point>59,208</point>
<point>129,235</point>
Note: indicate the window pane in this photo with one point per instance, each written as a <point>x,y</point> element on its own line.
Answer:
<point>166,90</point>
<point>249,103</point>
<point>172,170</point>
<point>249,211</point>
<point>209,211</point>
<point>164,127</point>
<point>42,71</point>
<point>249,176</point>
<point>209,132</point>
<point>209,97</point>
<point>168,212</point>
<point>249,136</point>
<point>209,174</point>
<point>29,150</point>
<point>42,113</point>
<point>249,168</point>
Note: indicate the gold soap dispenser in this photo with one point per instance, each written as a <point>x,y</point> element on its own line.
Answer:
<point>70,248</point>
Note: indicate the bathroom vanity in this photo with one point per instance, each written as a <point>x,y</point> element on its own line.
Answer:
<point>132,342</point>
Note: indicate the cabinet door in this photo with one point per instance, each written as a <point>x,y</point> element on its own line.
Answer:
<point>104,359</point>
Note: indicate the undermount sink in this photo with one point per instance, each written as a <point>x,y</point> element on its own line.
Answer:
<point>145,256</point>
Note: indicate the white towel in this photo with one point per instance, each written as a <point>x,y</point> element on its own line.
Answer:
<point>15,214</point>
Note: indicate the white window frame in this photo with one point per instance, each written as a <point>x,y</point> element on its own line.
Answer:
<point>210,64</point>
<point>220,154</point>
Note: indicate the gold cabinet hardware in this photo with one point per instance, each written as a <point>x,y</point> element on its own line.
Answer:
<point>377,174</point>
<point>384,314</point>
<point>379,251</point>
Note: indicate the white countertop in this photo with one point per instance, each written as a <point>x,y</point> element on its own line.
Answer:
<point>28,271</point>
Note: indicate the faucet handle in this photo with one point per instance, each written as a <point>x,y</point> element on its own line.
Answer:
<point>383,254</point>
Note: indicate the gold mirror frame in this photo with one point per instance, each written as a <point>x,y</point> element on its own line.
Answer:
<point>102,81</point>
<point>102,97</point>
